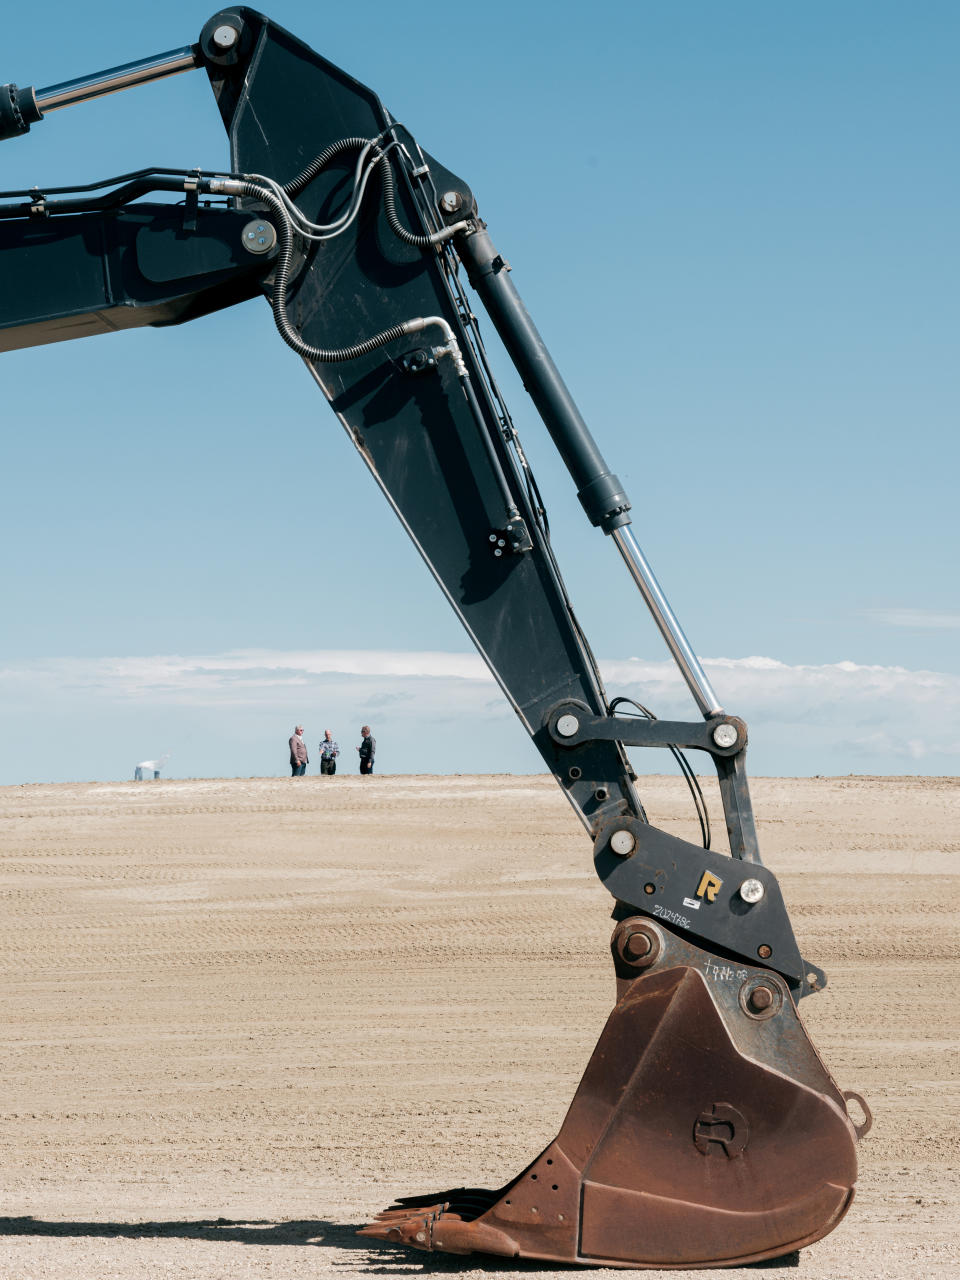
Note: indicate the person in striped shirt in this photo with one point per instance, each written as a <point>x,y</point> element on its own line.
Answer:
<point>329,750</point>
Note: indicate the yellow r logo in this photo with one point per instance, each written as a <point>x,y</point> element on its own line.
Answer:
<point>709,884</point>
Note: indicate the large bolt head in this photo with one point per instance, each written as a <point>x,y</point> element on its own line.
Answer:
<point>567,726</point>
<point>225,37</point>
<point>725,735</point>
<point>751,890</point>
<point>623,842</point>
<point>760,998</point>
<point>451,201</point>
<point>636,946</point>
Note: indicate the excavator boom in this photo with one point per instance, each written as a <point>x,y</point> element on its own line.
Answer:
<point>706,1131</point>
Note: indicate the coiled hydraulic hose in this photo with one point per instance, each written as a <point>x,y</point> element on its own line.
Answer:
<point>390,209</point>
<point>307,175</point>
<point>287,331</point>
<point>285,241</point>
<point>380,161</point>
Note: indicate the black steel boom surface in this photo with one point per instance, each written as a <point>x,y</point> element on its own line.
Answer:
<point>413,427</point>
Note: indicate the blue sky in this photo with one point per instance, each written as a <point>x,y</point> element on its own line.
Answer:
<point>735,226</point>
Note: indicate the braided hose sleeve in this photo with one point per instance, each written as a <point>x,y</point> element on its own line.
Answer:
<point>322,160</point>
<point>390,209</point>
<point>307,175</point>
<point>280,280</point>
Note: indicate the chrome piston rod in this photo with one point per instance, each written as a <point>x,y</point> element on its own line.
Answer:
<point>666,620</point>
<point>100,83</point>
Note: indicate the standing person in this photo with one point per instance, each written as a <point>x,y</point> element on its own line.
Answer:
<point>367,749</point>
<point>329,750</point>
<point>298,753</point>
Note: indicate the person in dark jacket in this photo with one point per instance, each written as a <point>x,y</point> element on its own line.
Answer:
<point>367,749</point>
<point>298,753</point>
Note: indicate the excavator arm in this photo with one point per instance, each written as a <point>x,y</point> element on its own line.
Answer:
<point>706,1131</point>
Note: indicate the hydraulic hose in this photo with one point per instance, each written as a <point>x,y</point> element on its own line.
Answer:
<point>281,278</point>
<point>379,159</point>
<point>308,174</point>
<point>390,209</point>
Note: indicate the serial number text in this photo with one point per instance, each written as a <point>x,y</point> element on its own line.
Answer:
<point>672,917</point>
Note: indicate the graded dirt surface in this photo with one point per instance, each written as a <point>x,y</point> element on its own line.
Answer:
<point>239,1016</point>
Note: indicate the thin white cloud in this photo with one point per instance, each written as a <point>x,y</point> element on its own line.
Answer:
<point>868,711</point>
<point>864,711</point>
<point>235,675</point>
<point>444,710</point>
<point>919,619</point>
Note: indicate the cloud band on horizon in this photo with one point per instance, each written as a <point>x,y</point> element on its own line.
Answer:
<point>909,715</point>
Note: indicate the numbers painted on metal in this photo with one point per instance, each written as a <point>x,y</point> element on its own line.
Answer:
<point>723,972</point>
<point>672,917</point>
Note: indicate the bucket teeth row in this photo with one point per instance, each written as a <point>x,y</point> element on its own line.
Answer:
<point>413,1230</point>
<point>438,1228</point>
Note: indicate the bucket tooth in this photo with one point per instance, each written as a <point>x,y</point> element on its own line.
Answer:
<point>705,1132</point>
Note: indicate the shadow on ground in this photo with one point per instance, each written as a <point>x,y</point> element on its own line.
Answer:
<point>243,1231</point>
<point>384,1260</point>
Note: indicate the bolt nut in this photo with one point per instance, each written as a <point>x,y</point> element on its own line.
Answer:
<point>451,201</point>
<point>623,842</point>
<point>751,890</point>
<point>725,735</point>
<point>764,952</point>
<point>567,726</point>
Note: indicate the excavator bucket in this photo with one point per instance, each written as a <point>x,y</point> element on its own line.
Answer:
<point>705,1132</point>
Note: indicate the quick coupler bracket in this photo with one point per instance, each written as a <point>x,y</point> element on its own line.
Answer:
<point>716,900</point>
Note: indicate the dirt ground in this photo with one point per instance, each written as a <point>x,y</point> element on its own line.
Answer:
<point>240,1016</point>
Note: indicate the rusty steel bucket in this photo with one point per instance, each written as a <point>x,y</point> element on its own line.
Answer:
<point>705,1132</point>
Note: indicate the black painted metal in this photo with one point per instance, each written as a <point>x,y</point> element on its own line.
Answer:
<point>441,471</point>
<point>738,807</point>
<point>18,110</point>
<point>599,490</point>
<point>74,275</point>
<point>635,731</point>
<point>661,879</point>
